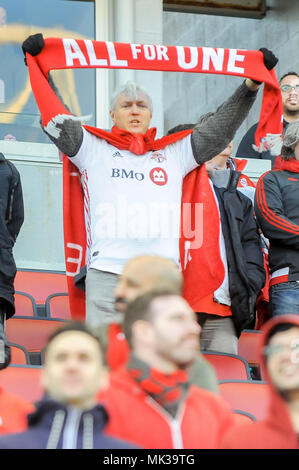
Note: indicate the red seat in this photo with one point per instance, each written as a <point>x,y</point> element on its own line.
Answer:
<point>19,355</point>
<point>228,366</point>
<point>250,396</point>
<point>31,333</point>
<point>23,381</point>
<point>40,284</point>
<point>25,305</point>
<point>249,346</point>
<point>58,306</point>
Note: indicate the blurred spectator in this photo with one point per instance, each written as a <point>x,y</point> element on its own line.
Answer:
<point>140,275</point>
<point>276,207</point>
<point>11,220</point>
<point>68,416</point>
<point>150,401</point>
<point>13,412</point>
<point>280,361</point>
<point>289,85</point>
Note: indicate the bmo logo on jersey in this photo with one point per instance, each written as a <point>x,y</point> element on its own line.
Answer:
<point>158,176</point>
<point>130,174</point>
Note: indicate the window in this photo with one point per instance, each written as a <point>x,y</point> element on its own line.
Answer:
<point>19,116</point>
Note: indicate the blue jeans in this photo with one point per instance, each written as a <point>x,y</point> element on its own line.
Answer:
<point>284,298</point>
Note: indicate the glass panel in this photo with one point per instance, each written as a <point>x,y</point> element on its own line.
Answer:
<point>19,115</point>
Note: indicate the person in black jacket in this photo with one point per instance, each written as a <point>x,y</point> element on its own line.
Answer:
<point>11,220</point>
<point>277,211</point>
<point>69,415</point>
<point>232,307</point>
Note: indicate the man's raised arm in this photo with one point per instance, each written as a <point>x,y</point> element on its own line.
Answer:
<point>213,132</point>
<point>65,131</point>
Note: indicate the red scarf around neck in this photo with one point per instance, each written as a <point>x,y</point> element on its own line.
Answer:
<point>202,266</point>
<point>289,165</point>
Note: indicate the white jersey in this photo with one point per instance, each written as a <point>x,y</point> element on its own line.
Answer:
<point>132,202</point>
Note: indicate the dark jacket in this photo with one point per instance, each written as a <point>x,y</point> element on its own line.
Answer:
<point>11,220</point>
<point>54,426</point>
<point>277,211</point>
<point>243,251</point>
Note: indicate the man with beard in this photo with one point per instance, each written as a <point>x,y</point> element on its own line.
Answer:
<point>140,275</point>
<point>150,401</point>
<point>289,86</point>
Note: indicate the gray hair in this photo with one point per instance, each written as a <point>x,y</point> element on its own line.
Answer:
<point>132,91</point>
<point>290,139</point>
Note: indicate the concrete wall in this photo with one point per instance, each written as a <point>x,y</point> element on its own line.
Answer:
<point>187,95</point>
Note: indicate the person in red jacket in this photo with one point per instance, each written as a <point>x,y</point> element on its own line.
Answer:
<point>150,401</point>
<point>280,362</point>
<point>140,275</point>
<point>13,412</point>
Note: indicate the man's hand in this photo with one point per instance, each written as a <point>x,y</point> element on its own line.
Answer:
<point>33,45</point>
<point>270,60</point>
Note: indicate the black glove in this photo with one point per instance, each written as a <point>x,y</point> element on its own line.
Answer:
<point>33,45</point>
<point>270,60</point>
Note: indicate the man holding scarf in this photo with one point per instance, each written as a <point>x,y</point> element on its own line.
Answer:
<point>127,164</point>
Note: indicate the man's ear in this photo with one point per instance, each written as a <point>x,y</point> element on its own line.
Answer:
<point>112,115</point>
<point>43,379</point>
<point>142,331</point>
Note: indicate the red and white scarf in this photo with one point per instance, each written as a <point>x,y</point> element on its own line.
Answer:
<point>202,266</point>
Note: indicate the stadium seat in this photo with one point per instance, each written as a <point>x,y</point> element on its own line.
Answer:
<point>19,355</point>
<point>31,333</point>
<point>23,381</point>
<point>250,396</point>
<point>40,284</point>
<point>228,366</point>
<point>57,306</point>
<point>25,305</point>
<point>248,346</point>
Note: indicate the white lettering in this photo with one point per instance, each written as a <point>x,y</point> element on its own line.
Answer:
<point>149,52</point>
<point>72,52</point>
<point>233,58</point>
<point>136,49</point>
<point>162,53</point>
<point>216,56</point>
<point>92,56</point>
<point>76,261</point>
<point>182,57</point>
<point>114,62</point>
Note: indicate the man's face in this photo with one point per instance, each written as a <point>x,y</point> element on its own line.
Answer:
<point>137,278</point>
<point>132,115</point>
<point>73,369</point>
<point>283,360</point>
<point>219,162</point>
<point>290,98</point>
<point>174,330</point>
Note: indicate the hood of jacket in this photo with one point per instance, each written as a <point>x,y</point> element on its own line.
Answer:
<point>278,411</point>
